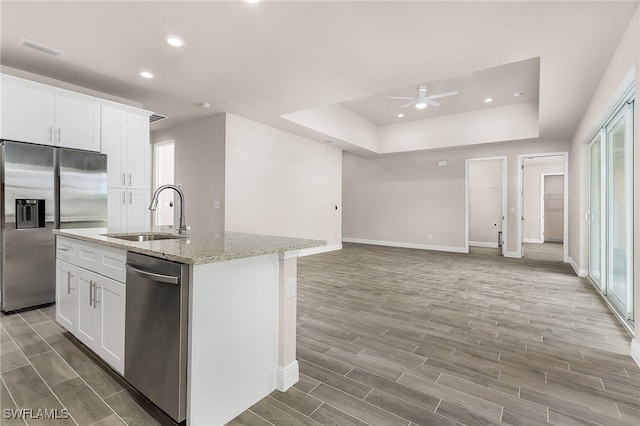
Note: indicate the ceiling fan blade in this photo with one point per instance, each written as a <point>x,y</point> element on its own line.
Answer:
<point>409,104</point>
<point>399,97</point>
<point>433,103</point>
<point>442,95</point>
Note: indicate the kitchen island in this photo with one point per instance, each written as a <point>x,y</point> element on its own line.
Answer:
<point>241,309</point>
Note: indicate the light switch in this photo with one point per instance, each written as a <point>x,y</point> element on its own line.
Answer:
<point>216,204</point>
<point>291,287</point>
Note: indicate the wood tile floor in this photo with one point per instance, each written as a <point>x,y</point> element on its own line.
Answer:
<point>386,336</point>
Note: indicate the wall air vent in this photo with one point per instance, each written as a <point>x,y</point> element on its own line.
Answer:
<point>41,47</point>
<point>156,117</point>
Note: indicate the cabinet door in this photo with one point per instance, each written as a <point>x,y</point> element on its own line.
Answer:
<point>114,135</point>
<point>116,208</point>
<point>137,152</point>
<point>66,295</point>
<point>138,213</point>
<point>111,304</point>
<point>88,314</point>
<point>27,114</point>
<point>77,123</point>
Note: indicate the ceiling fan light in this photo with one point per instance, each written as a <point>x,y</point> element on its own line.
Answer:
<point>421,105</point>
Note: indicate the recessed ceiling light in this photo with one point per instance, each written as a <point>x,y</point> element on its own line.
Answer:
<point>146,74</point>
<point>174,40</point>
<point>205,105</point>
<point>518,94</point>
<point>421,105</point>
<point>400,115</point>
<point>487,100</point>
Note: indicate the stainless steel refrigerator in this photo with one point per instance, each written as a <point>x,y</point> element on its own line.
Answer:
<point>43,188</point>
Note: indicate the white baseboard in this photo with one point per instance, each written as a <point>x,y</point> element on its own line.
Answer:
<point>482,244</point>
<point>405,245</point>
<point>513,254</point>
<point>287,376</point>
<point>579,272</point>
<point>533,240</point>
<point>318,250</point>
<point>635,351</point>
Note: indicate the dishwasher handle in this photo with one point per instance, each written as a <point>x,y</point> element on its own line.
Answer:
<point>155,277</point>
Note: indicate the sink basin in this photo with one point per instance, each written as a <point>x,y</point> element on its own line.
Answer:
<point>146,236</point>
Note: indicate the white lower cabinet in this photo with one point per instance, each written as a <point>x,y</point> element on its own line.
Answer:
<point>91,305</point>
<point>67,295</point>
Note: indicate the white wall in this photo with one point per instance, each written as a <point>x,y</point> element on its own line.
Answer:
<point>498,124</point>
<point>279,183</point>
<point>531,195</point>
<point>404,198</point>
<point>485,202</point>
<point>623,70</point>
<point>199,167</point>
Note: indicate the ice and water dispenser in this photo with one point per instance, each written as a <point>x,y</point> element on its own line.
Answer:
<point>29,213</point>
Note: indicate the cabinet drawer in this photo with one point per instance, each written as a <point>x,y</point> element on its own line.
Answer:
<point>67,249</point>
<point>112,263</point>
<point>88,256</point>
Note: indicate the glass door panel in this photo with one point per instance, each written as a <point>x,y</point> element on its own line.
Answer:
<point>595,216</point>
<point>619,213</point>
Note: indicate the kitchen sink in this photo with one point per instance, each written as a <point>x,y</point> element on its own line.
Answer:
<point>145,236</point>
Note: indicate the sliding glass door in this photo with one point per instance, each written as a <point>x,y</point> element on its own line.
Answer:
<point>620,210</point>
<point>595,214</point>
<point>611,210</point>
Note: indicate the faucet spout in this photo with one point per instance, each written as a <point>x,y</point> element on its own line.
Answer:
<point>154,204</point>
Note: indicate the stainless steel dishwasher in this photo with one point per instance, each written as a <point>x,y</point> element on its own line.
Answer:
<point>156,331</point>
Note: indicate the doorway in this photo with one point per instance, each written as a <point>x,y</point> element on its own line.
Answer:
<point>164,173</point>
<point>542,206</point>
<point>485,203</point>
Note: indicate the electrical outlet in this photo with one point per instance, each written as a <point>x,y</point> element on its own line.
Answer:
<point>216,204</point>
<point>430,237</point>
<point>291,288</point>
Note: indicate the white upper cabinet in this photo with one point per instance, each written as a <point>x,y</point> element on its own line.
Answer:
<point>27,114</point>
<point>77,124</point>
<point>114,136</point>
<point>37,113</point>
<point>137,152</point>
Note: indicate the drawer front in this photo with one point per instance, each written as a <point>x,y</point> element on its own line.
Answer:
<point>88,256</point>
<point>112,263</point>
<point>67,249</point>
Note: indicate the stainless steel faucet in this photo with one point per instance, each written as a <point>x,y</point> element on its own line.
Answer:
<point>154,205</point>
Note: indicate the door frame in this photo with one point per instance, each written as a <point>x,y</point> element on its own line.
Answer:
<point>156,175</point>
<point>542,176</point>
<point>519,207</point>
<point>504,199</point>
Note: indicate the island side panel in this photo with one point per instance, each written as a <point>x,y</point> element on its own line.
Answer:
<point>288,370</point>
<point>233,337</point>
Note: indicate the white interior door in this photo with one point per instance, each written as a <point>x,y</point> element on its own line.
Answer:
<point>164,159</point>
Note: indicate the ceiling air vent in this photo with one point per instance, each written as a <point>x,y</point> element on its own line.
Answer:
<point>41,47</point>
<point>156,117</point>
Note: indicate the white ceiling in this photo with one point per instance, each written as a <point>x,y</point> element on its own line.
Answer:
<point>498,83</point>
<point>264,60</point>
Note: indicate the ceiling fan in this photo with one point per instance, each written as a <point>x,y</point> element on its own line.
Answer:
<point>423,100</point>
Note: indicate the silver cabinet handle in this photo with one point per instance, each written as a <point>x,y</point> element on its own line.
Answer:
<point>155,277</point>
<point>129,178</point>
<point>63,249</point>
<point>124,200</point>
<point>123,179</point>
<point>60,135</point>
<point>69,276</point>
<point>95,294</point>
<point>130,197</point>
<point>90,292</point>
<point>50,133</point>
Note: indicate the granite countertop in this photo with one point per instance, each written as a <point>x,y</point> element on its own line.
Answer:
<point>197,247</point>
